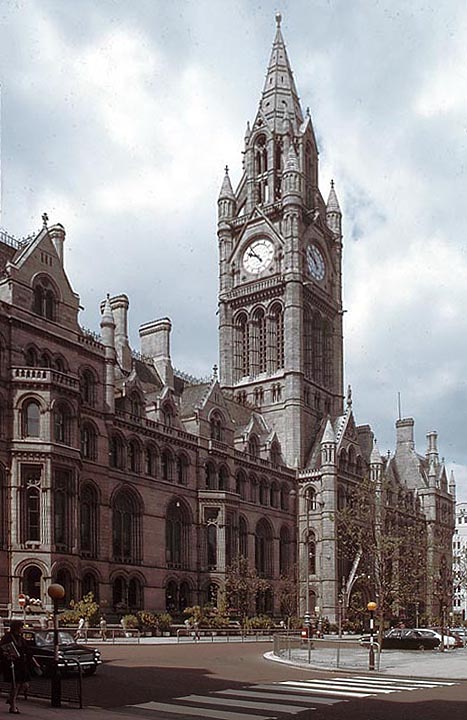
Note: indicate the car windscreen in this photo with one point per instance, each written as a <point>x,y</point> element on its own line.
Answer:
<point>47,638</point>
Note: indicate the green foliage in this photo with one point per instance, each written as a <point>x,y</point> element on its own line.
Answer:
<point>287,594</point>
<point>148,620</point>
<point>242,585</point>
<point>259,622</point>
<point>130,621</point>
<point>164,621</point>
<point>207,616</point>
<point>86,608</point>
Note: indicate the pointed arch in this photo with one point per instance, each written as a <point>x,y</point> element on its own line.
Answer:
<point>241,346</point>
<point>177,534</point>
<point>276,337</point>
<point>263,548</point>
<point>126,525</point>
<point>259,341</point>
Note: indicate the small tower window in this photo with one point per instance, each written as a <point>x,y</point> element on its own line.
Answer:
<point>44,299</point>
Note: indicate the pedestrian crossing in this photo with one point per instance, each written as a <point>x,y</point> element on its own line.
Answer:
<point>268,701</point>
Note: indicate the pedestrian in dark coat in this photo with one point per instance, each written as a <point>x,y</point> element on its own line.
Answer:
<point>17,661</point>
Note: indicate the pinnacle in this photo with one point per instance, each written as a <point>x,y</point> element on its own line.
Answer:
<point>226,188</point>
<point>333,203</point>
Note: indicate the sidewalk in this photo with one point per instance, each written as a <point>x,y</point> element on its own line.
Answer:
<point>447,665</point>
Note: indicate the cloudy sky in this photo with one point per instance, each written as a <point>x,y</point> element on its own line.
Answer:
<point>118,119</point>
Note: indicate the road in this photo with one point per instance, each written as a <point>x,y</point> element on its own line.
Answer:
<point>234,682</point>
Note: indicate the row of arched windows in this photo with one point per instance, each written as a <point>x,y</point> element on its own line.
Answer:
<point>132,456</point>
<point>127,592</point>
<point>37,358</point>
<point>249,487</point>
<point>259,341</point>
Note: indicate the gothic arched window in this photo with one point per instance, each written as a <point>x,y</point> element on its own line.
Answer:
<point>182,469</point>
<point>317,348</point>
<point>117,454</point>
<point>135,594</point>
<point>30,357</point>
<point>259,341</point>
<point>152,461</point>
<point>134,456</point>
<point>253,446</point>
<point>88,388</point>
<point>177,535</point>
<point>223,478</point>
<point>61,511</point>
<point>240,484</point>
<point>241,346</point>
<point>327,355</point>
<point>32,581</point>
<point>44,299</point>
<point>242,537</point>
<point>216,423</point>
<point>171,596</point>
<point>211,476</point>
<point>90,584</point>
<point>136,405</point>
<point>263,548</point>
<point>284,551</point>
<point>261,169</point>
<point>211,546</point>
<point>277,337</point>
<point>31,419</point>
<point>88,441</point>
<point>63,578</point>
<point>308,341</point>
<point>167,414</point>
<point>88,516</point>
<point>33,514</point>
<point>126,527</point>
<point>311,551</point>
<point>167,463</point>
<point>62,423</point>
<point>263,492</point>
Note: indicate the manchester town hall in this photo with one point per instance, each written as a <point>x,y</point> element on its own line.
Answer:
<point>121,476</point>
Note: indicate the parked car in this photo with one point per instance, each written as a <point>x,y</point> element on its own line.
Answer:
<point>461,632</point>
<point>405,639</point>
<point>70,652</point>
<point>449,641</point>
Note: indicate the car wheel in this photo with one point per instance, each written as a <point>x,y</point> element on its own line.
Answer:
<point>421,647</point>
<point>89,671</point>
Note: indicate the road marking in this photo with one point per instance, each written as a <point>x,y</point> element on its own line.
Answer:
<point>195,711</point>
<point>422,683</point>
<point>205,700</point>
<point>323,689</point>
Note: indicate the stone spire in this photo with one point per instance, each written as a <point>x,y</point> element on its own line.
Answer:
<point>333,212</point>
<point>279,96</point>
<point>328,435</point>
<point>452,485</point>
<point>226,192</point>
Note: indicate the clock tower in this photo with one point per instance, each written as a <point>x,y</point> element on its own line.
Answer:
<point>280,247</point>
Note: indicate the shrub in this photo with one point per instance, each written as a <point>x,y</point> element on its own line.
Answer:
<point>86,608</point>
<point>164,621</point>
<point>130,621</point>
<point>259,622</point>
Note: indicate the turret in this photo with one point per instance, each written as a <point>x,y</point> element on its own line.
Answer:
<point>108,340</point>
<point>57,235</point>
<point>328,445</point>
<point>226,200</point>
<point>432,454</point>
<point>333,213</point>
<point>376,464</point>
<point>452,485</point>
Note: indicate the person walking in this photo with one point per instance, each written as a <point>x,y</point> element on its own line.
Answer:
<point>80,631</point>
<point>103,628</point>
<point>17,661</point>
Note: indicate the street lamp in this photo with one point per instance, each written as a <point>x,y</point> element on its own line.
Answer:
<point>56,593</point>
<point>371,607</point>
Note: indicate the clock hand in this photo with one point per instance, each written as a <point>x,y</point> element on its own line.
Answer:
<point>252,253</point>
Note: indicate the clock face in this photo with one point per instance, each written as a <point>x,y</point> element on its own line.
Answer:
<point>315,262</point>
<point>258,256</point>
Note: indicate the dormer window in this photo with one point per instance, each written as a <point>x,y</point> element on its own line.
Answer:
<point>44,299</point>
<point>217,426</point>
<point>253,446</point>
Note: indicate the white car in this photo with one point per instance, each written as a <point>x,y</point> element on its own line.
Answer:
<point>449,641</point>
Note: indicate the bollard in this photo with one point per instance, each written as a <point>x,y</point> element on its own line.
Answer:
<point>371,607</point>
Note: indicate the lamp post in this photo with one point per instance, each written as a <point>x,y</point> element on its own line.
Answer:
<point>371,607</point>
<point>56,593</point>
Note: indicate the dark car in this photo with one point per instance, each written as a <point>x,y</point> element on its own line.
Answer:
<point>403,639</point>
<point>70,652</point>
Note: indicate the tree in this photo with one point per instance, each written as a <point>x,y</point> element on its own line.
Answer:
<point>242,585</point>
<point>86,608</point>
<point>383,538</point>
<point>287,594</point>
<point>460,573</point>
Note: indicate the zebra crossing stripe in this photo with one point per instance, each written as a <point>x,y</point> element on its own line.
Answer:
<point>324,688</point>
<point>284,695</point>
<point>242,704</point>
<point>198,712</point>
<point>422,683</point>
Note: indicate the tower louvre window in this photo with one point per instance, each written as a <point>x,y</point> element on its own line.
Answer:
<point>317,348</point>
<point>327,355</point>
<point>259,342</point>
<point>277,337</point>
<point>261,170</point>
<point>242,347</point>
<point>308,342</point>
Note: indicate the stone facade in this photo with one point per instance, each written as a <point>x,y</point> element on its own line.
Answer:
<point>124,477</point>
